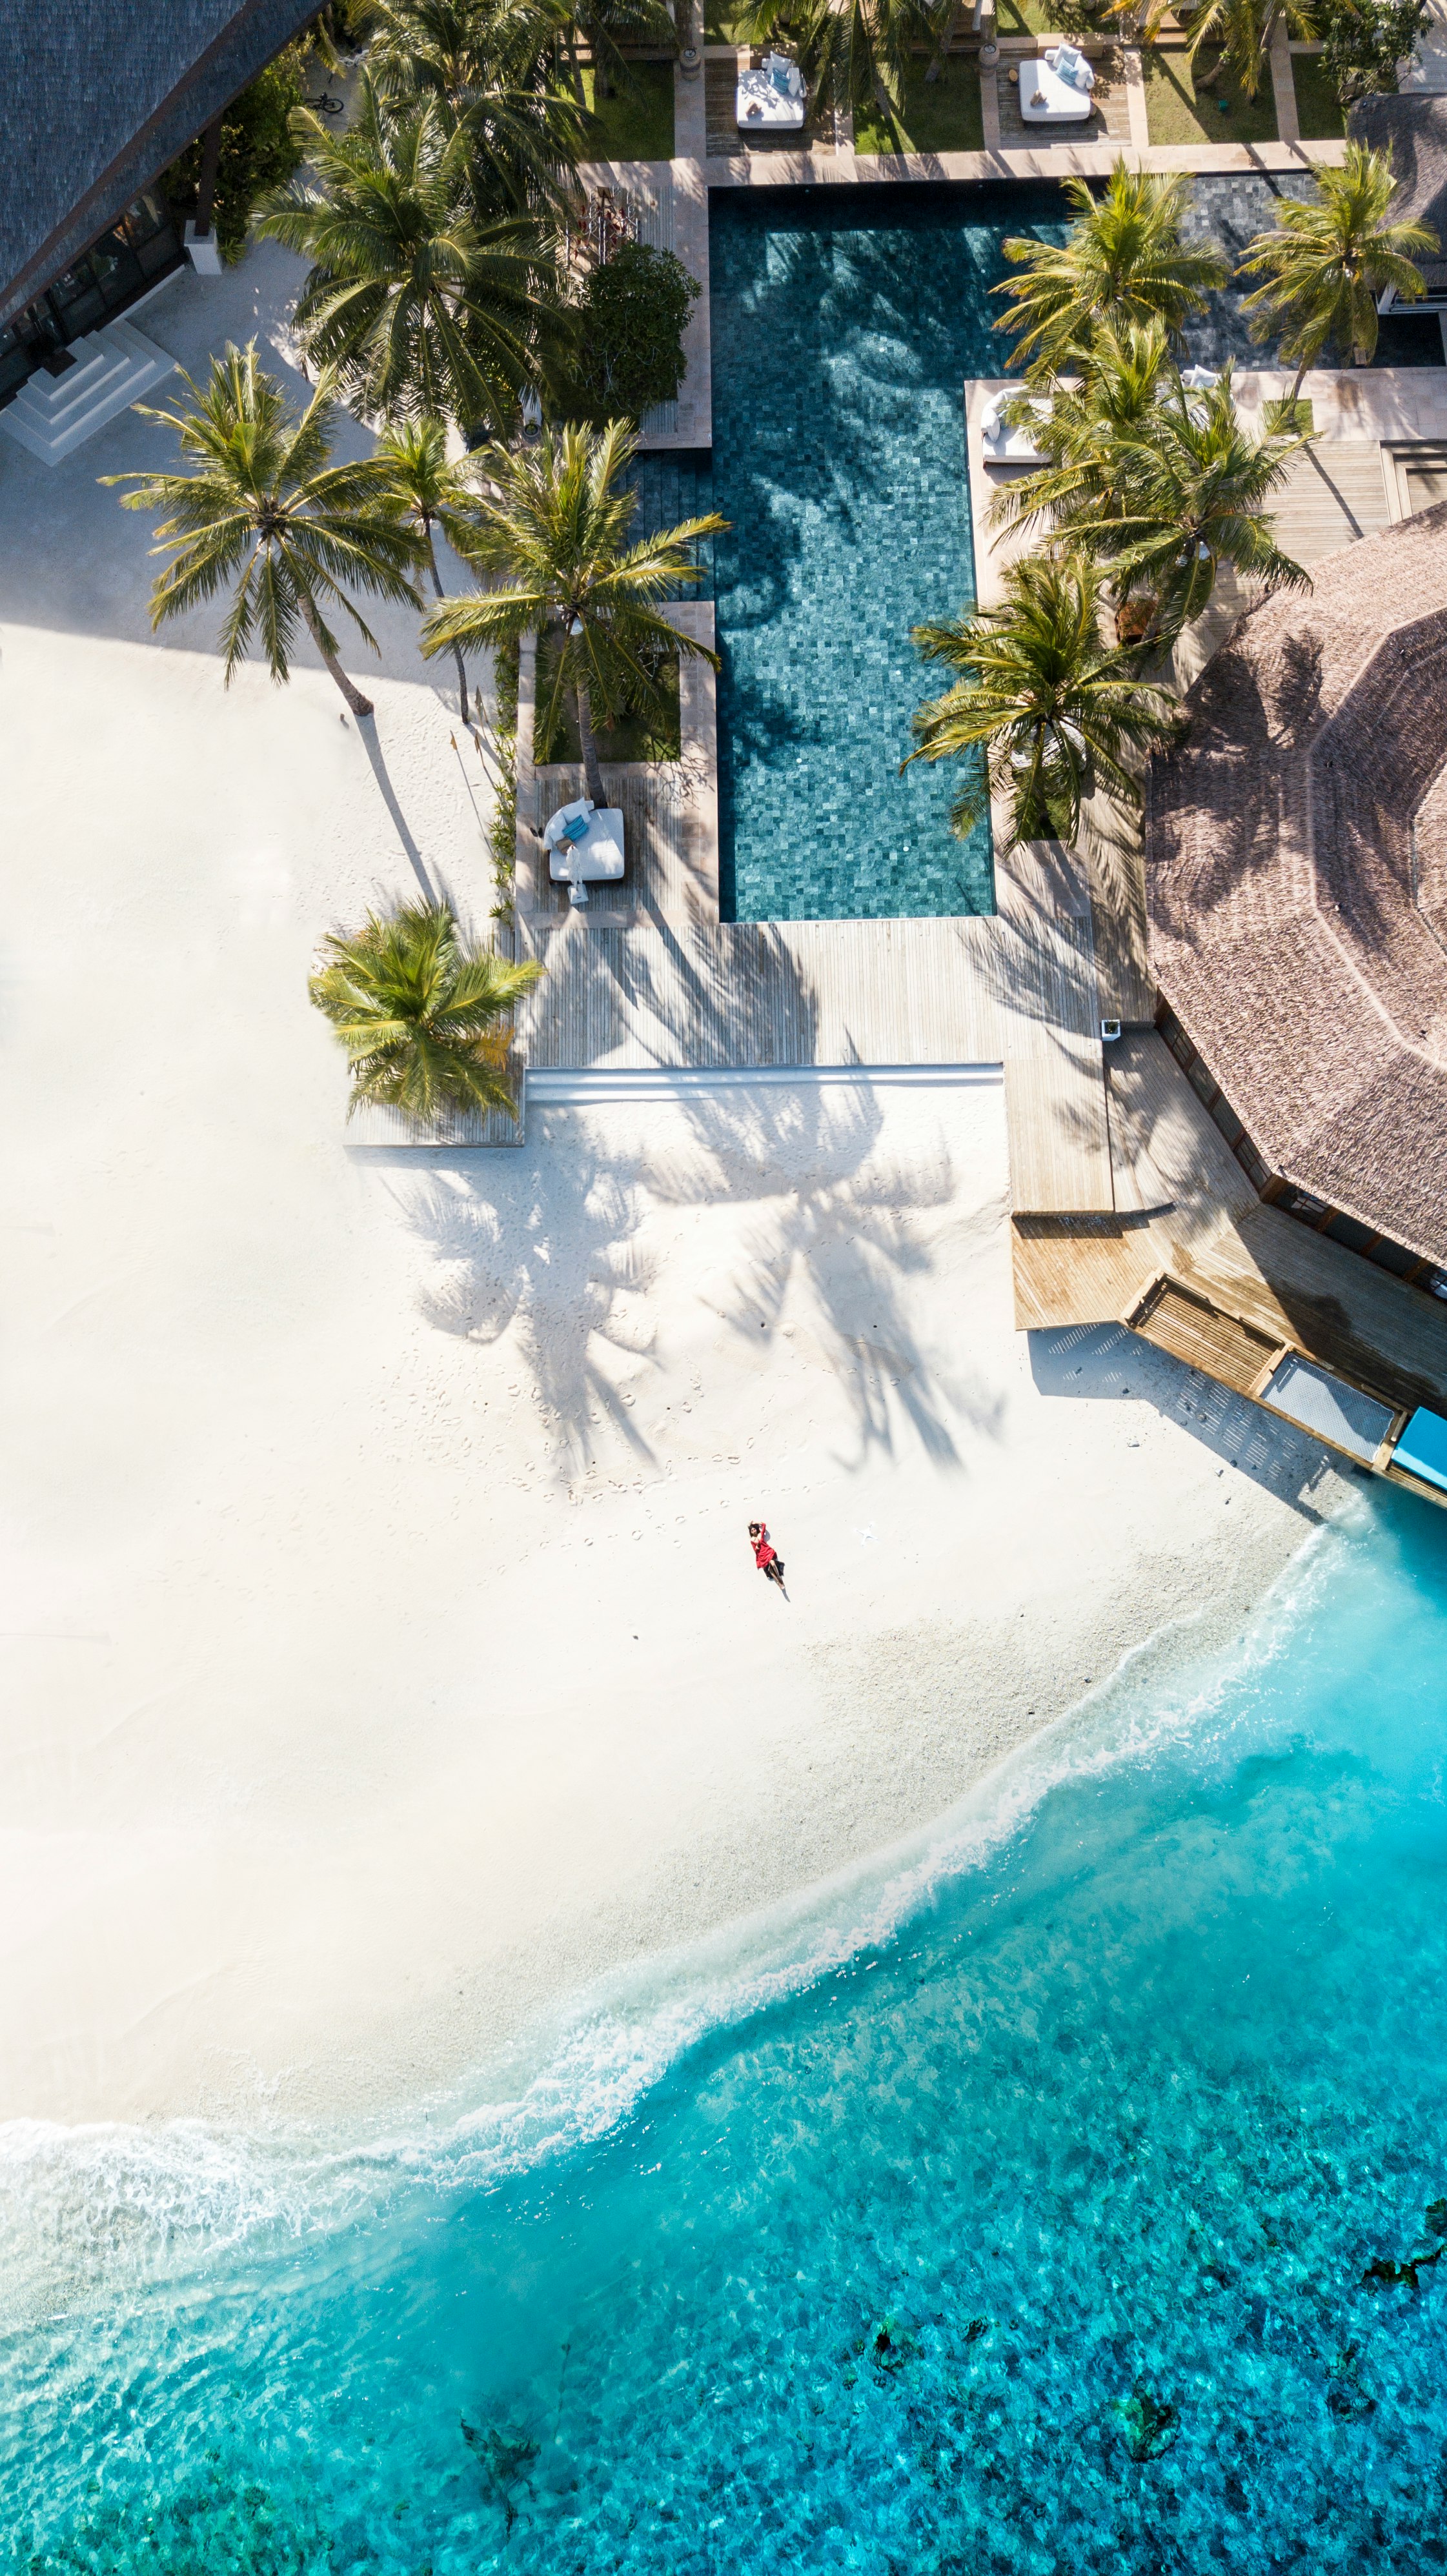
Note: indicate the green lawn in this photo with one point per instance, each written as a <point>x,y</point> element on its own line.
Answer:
<point>1185,106</point>
<point>1025,18</point>
<point>939,116</point>
<point>633,124</point>
<point>723,25</point>
<point>1317,106</point>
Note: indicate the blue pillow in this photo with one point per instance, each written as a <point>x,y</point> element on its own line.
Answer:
<point>577,830</point>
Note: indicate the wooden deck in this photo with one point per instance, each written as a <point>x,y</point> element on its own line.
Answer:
<point>763,993</point>
<point>1203,1226</point>
<point>1050,1031</point>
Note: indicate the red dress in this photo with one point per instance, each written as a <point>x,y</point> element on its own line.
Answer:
<point>764,1552</point>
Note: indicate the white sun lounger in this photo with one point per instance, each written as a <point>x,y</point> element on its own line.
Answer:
<point>596,859</point>
<point>772,95</point>
<point>1056,89</point>
<point>1001,442</point>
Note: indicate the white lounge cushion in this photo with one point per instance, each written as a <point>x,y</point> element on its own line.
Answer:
<point>1069,64</point>
<point>555,828</point>
<point>596,859</point>
<point>1004,444</point>
<point>1046,99</point>
<point>772,94</point>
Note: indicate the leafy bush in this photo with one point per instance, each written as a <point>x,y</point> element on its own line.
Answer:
<point>259,152</point>
<point>1083,18</point>
<point>632,314</point>
<point>1364,40</point>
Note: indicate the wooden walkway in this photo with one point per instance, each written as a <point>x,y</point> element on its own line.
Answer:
<point>1050,1033</point>
<point>1200,1223</point>
<point>763,993</point>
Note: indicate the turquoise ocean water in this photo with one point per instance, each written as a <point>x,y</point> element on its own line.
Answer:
<point>1008,2210</point>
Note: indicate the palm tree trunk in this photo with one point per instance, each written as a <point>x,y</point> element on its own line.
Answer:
<point>1294,396</point>
<point>592,774</point>
<point>359,705</point>
<point>937,58</point>
<point>457,648</point>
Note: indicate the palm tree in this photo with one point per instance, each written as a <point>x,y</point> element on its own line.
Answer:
<point>1082,430</point>
<point>1243,29</point>
<point>1328,261</point>
<point>1193,487</point>
<point>419,307</point>
<point>551,538</point>
<point>263,510</point>
<point>1122,261</point>
<point>1055,709</point>
<point>415,479</point>
<point>487,65</point>
<point>421,1013</point>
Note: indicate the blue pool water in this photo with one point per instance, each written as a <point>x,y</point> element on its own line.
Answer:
<point>887,2272</point>
<point>840,352</point>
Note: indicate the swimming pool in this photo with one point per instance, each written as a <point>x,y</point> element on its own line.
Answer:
<point>843,333</point>
<point>845,323</point>
<point>844,327</point>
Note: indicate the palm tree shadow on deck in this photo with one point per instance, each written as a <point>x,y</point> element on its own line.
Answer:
<point>1107,1363</point>
<point>551,1245</point>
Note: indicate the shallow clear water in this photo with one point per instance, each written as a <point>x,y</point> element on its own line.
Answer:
<point>841,347</point>
<point>1119,2117</point>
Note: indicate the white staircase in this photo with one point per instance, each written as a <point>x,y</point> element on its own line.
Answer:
<point>113,366</point>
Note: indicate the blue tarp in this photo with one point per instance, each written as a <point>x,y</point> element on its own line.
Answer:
<point>1422,1449</point>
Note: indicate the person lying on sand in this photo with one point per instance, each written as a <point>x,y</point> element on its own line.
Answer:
<point>766,1555</point>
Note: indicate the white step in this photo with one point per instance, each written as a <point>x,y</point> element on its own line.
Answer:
<point>113,367</point>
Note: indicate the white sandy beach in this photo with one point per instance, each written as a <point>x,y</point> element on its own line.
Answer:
<point>385,1656</point>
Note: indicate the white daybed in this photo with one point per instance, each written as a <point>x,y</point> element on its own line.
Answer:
<point>1001,442</point>
<point>772,95</point>
<point>1056,89</point>
<point>595,857</point>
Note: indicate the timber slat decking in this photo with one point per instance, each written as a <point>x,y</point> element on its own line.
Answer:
<point>1334,492</point>
<point>763,993</point>
<point>1054,1078</point>
<point>1233,1353</point>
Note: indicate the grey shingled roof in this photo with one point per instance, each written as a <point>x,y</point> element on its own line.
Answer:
<point>1296,878</point>
<point>99,95</point>
<point>1412,126</point>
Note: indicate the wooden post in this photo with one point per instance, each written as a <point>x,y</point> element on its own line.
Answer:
<point>206,185</point>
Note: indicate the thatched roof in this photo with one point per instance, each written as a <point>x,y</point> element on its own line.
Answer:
<point>1412,126</point>
<point>99,96</point>
<point>1296,871</point>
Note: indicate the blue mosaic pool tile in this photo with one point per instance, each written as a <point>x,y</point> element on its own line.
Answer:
<point>840,352</point>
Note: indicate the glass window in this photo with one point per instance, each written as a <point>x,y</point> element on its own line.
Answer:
<point>77,300</point>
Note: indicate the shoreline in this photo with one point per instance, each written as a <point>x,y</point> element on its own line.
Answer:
<point>82,2195</point>
<point>470,1696</point>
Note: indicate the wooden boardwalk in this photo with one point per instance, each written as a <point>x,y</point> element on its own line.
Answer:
<point>738,994</point>
<point>1050,1033</point>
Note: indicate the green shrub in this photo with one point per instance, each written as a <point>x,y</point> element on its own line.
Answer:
<point>1364,40</point>
<point>259,152</point>
<point>632,314</point>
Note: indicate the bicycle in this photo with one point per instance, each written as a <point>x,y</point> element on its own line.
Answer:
<point>324,104</point>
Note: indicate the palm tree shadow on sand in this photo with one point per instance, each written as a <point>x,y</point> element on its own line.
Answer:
<point>551,1245</point>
